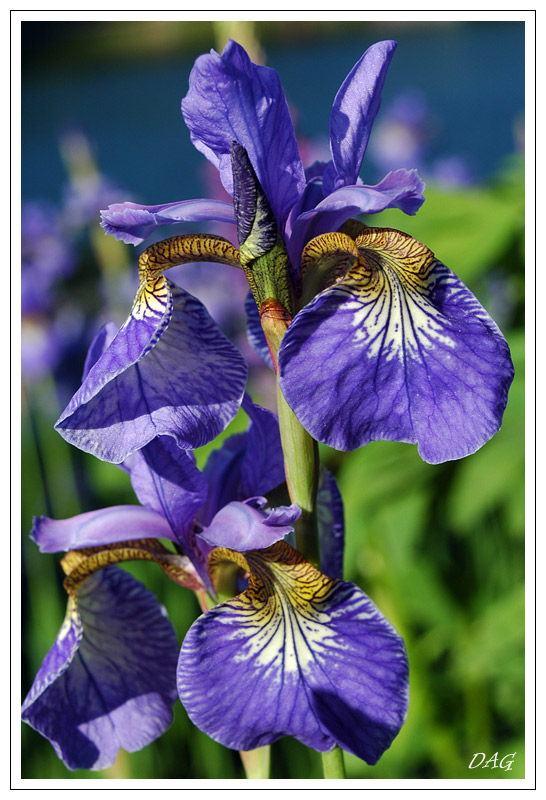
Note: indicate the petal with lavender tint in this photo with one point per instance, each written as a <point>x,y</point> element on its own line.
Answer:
<point>232,99</point>
<point>165,479</point>
<point>296,654</point>
<point>398,350</point>
<point>262,468</point>
<point>247,465</point>
<point>331,525</point>
<point>99,345</point>
<point>401,189</point>
<point>241,527</point>
<point>132,223</point>
<point>170,370</point>
<point>353,113</point>
<point>102,527</point>
<point>223,474</point>
<point>109,680</point>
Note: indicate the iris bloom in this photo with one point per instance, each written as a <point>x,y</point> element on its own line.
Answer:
<point>169,370</point>
<point>295,652</point>
<point>385,341</point>
<point>232,99</point>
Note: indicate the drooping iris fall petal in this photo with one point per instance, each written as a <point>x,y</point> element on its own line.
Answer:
<point>296,654</point>
<point>399,349</point>
<point>169,371</point>
<point>109,681</point>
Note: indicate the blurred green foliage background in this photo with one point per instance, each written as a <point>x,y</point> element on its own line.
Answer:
<point>439,549</point>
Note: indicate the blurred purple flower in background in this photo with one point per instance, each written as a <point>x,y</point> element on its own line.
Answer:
<point>47,257</point>
<point>406,136</point>
<point>56,246</point>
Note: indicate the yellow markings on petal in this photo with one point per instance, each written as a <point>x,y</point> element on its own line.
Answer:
<point>325,260</point>
<point>152,299</point>
<point>186,250</point>
<point>71,619</point>
<point>386,247</point>
<point>78,565</point>
<point>153,294</point>
<point>391,289</point>
<point>283,616</point>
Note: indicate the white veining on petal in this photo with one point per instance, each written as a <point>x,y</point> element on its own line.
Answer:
<point>296,654</point>
<point>291,631</point>
<point>393,317</point>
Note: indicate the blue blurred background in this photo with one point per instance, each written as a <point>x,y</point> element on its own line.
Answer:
<point>122,83</point>
<point>439,549</point>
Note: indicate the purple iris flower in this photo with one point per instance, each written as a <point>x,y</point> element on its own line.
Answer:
<point>386,342</point>
<point>393,348</point>
<point>100,687</point>
<point>169,370</point>
<point>232,99</point>
<point>296,652</point>
<point>109,680</point>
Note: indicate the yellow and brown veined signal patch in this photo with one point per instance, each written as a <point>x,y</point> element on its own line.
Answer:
<point>153,295</point>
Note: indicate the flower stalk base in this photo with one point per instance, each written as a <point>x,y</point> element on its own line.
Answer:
<point>332,763</point>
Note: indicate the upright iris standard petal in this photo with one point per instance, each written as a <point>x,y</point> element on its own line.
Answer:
<point>398,350</point>
<point>296,654</point>
<point>353,113</point>
<point>223,474</point>
<point>247,465</point>
<point>166,479</point>
<point>109,680</point>
<point>230,98</point>
<point>401,189</point>
<point>241,527</point>
<point>170,370</point>
<point>132,223</point>
<point>262,468</point>
<point>105,526</point>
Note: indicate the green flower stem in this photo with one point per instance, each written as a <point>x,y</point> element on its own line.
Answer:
<point>332,763</point>
<point>256,762</point>
<point>301,457</point>
<point>301,463</point>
